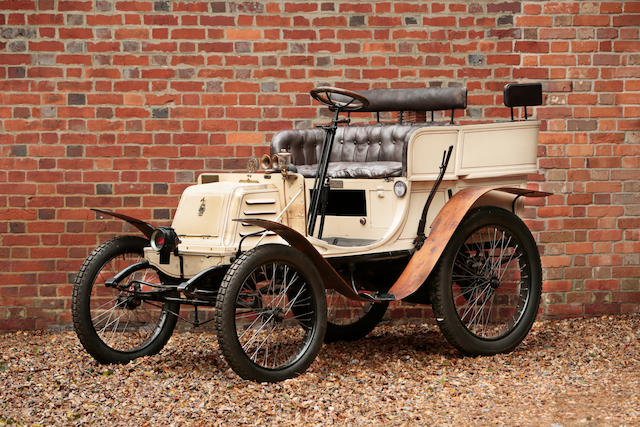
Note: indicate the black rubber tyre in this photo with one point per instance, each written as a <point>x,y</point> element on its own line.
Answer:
<point>349,320</point>
<point>148,325</point>
<point>491,261</point>
<point>255,306</point>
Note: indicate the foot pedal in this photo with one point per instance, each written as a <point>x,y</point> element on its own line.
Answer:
<point>378,297</point>
<point>385,297</point>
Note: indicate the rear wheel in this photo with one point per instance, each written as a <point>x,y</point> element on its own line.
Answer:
<point>271,314</point>
<point>350,320</point>
<point>113,325</point>
<point>488,283</point>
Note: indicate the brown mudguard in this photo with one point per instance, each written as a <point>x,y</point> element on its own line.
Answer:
<point>146,229</point>
<point>330,277</point>
<point>421,263</point>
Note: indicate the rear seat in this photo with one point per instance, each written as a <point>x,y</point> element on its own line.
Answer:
<point>371,151</point>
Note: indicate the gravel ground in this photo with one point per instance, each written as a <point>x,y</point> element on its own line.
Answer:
<point>567,372</point>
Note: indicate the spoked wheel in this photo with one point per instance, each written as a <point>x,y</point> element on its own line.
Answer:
<point>350,320</point>
<point>113,325</point>
<point>488,283</point>
<point>271,314</point>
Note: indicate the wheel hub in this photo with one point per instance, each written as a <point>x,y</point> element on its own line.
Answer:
<point>128,301</point>
<point>278,315</point>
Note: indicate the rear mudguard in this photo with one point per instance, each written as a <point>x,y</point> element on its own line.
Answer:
<point>444,225</point>
<point>421,263</point>
<point>145,228</point>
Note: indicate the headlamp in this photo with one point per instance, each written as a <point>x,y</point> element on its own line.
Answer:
<point>164,240</point>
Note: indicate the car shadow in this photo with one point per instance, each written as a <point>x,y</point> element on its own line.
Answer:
<point>419,344</point>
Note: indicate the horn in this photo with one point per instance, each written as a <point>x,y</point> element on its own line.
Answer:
<point>266,162</point>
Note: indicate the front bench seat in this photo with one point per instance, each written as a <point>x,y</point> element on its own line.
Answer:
<point>374,151</point>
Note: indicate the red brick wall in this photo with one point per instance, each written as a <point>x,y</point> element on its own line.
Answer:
<point>122,104</point>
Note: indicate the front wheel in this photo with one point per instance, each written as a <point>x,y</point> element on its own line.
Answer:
<point>271,313</point>
<point>113,324</point>
<point>488,283</point>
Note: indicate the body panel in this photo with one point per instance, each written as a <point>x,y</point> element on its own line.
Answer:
<point>421,263</point>
<point>485,155</point>
<point>479,150</point>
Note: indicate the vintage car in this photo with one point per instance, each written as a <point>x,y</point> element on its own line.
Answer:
<point>341,220</point>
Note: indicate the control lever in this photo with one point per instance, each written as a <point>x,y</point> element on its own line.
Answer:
<point>420,238</point>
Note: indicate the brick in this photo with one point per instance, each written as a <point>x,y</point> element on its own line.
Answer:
<point>565,310</point>
<point>236,34</point>
<point>602,308</point>
<point>556,286</point>
<point>509,7</point>
<point>15,59</point>
<point>602,284</point>
<point>555,261</point>
<point>534,21</point>
<point>131,33</point>
<point>626,20</point>
<point>75,33</point>
<point>82,6</point>
<point>590,20</point>
<point>626,46</point>
<point>532,46</point>
<point>187,33</point>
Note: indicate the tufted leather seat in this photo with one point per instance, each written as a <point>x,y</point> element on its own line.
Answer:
<point>375,151</point>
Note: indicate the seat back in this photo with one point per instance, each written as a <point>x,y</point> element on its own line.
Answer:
<point>523,94</point>
<point>416,99</point>
<point>374,143</point>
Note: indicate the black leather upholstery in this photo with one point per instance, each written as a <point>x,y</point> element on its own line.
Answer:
<point>416,99</point>
<point>373,151</point>
<point>522,94</point>
<point>355,169</point>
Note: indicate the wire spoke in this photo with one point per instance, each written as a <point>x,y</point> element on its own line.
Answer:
<point>491,282</point>
<point>121,320</point>
<point>282,309</point>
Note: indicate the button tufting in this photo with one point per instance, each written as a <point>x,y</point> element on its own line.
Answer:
<point>306,143</point>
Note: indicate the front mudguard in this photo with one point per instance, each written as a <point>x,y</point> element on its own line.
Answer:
<point>145,228</point>
<point>331,278</point>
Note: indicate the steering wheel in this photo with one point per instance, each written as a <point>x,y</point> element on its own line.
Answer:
<point>339,99</point>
